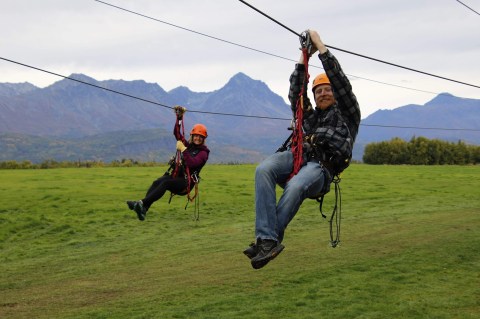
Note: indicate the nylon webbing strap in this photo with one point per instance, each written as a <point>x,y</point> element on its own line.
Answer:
<point>178,155</point>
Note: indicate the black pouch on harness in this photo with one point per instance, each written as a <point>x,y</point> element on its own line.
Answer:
<point>340,163</point>
<point>332,169</point>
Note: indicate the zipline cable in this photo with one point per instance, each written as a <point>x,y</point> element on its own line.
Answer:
<point>218,113</point>
<point>190,30</point>
<point>83,82</point>
<point>136,97</point>
<point>253,49</point>
<point>467,7</point>
<point>361,55</point>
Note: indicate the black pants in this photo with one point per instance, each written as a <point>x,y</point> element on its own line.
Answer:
<point>161,185</point>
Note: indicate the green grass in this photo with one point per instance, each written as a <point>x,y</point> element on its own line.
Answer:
<point>70,248</point>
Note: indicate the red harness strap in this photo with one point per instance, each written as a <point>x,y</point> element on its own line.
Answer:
<point>187,171</point>
<point>297,137</point>
<point>178,155</point>
<point>180,129</point>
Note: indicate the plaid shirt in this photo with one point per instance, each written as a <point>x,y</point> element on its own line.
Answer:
<point>335,128</point>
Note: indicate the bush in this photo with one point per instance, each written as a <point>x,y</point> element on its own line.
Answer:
<point>86,164</point>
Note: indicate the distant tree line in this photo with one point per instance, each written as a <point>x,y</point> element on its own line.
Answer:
<point>85,164</point>
<point>66,164</point>
<point>421,151</point>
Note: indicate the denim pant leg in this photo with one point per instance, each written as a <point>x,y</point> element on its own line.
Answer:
<point>274,169</point>
<point>308,182</point>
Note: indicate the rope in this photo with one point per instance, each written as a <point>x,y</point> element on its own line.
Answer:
<point>196,196</point>
<point>361,55</point>
<point>468,7</point>
<point>188,177</point>
<point>196,210</point>
<point>297,137</point>
<point>233,114</point>
<point>278,56</point>
<point>336,214</point>
<point>178,154</point>
<point>297,140</point>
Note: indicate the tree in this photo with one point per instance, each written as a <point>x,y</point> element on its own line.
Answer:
<point>421,151</point>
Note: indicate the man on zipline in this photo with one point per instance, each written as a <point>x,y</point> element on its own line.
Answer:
<point>191,156</point>
<point>329,133</point>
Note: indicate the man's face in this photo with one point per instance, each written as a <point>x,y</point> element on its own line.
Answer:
<point>324,96</point>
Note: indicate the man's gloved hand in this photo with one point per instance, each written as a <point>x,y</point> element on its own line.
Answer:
<point>179,110</point>
<point>180,146</point>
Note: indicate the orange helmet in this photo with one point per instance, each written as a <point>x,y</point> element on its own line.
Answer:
<point>199,129</point>
<point>320,79</point>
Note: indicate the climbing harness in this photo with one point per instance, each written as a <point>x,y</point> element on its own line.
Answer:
<point>187,191</point>
<point>176,163</point>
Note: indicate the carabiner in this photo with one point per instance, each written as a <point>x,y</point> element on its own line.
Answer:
<point>306,42</point>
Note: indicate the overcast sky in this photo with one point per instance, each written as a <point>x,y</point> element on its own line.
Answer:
<point>441,37</point>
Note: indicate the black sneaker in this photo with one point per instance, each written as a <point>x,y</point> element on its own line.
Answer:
<point>251,251</point>
<point>140,210</point>
<point>131,204</point>
<point>267,250</point>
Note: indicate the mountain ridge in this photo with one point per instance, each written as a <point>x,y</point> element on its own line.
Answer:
<point>243,117</point>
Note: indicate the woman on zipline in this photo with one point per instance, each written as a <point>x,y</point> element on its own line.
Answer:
<point>191,156</point>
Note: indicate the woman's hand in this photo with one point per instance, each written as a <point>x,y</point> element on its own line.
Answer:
<point>180,146</point>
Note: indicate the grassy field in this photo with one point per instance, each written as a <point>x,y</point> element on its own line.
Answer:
<point>70,248</point>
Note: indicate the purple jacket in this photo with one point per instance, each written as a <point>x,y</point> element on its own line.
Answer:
<point>195,156</point>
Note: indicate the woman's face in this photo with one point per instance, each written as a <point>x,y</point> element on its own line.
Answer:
<point>197,139</point>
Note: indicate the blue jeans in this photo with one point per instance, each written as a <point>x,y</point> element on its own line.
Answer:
<point>272,218</point>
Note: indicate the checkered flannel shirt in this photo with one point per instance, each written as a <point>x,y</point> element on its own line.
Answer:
<point>336,127</point>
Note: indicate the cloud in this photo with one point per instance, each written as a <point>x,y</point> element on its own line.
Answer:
<point>107,43</point>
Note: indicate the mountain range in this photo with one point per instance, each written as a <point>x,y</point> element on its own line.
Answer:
<point>80,118</point>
